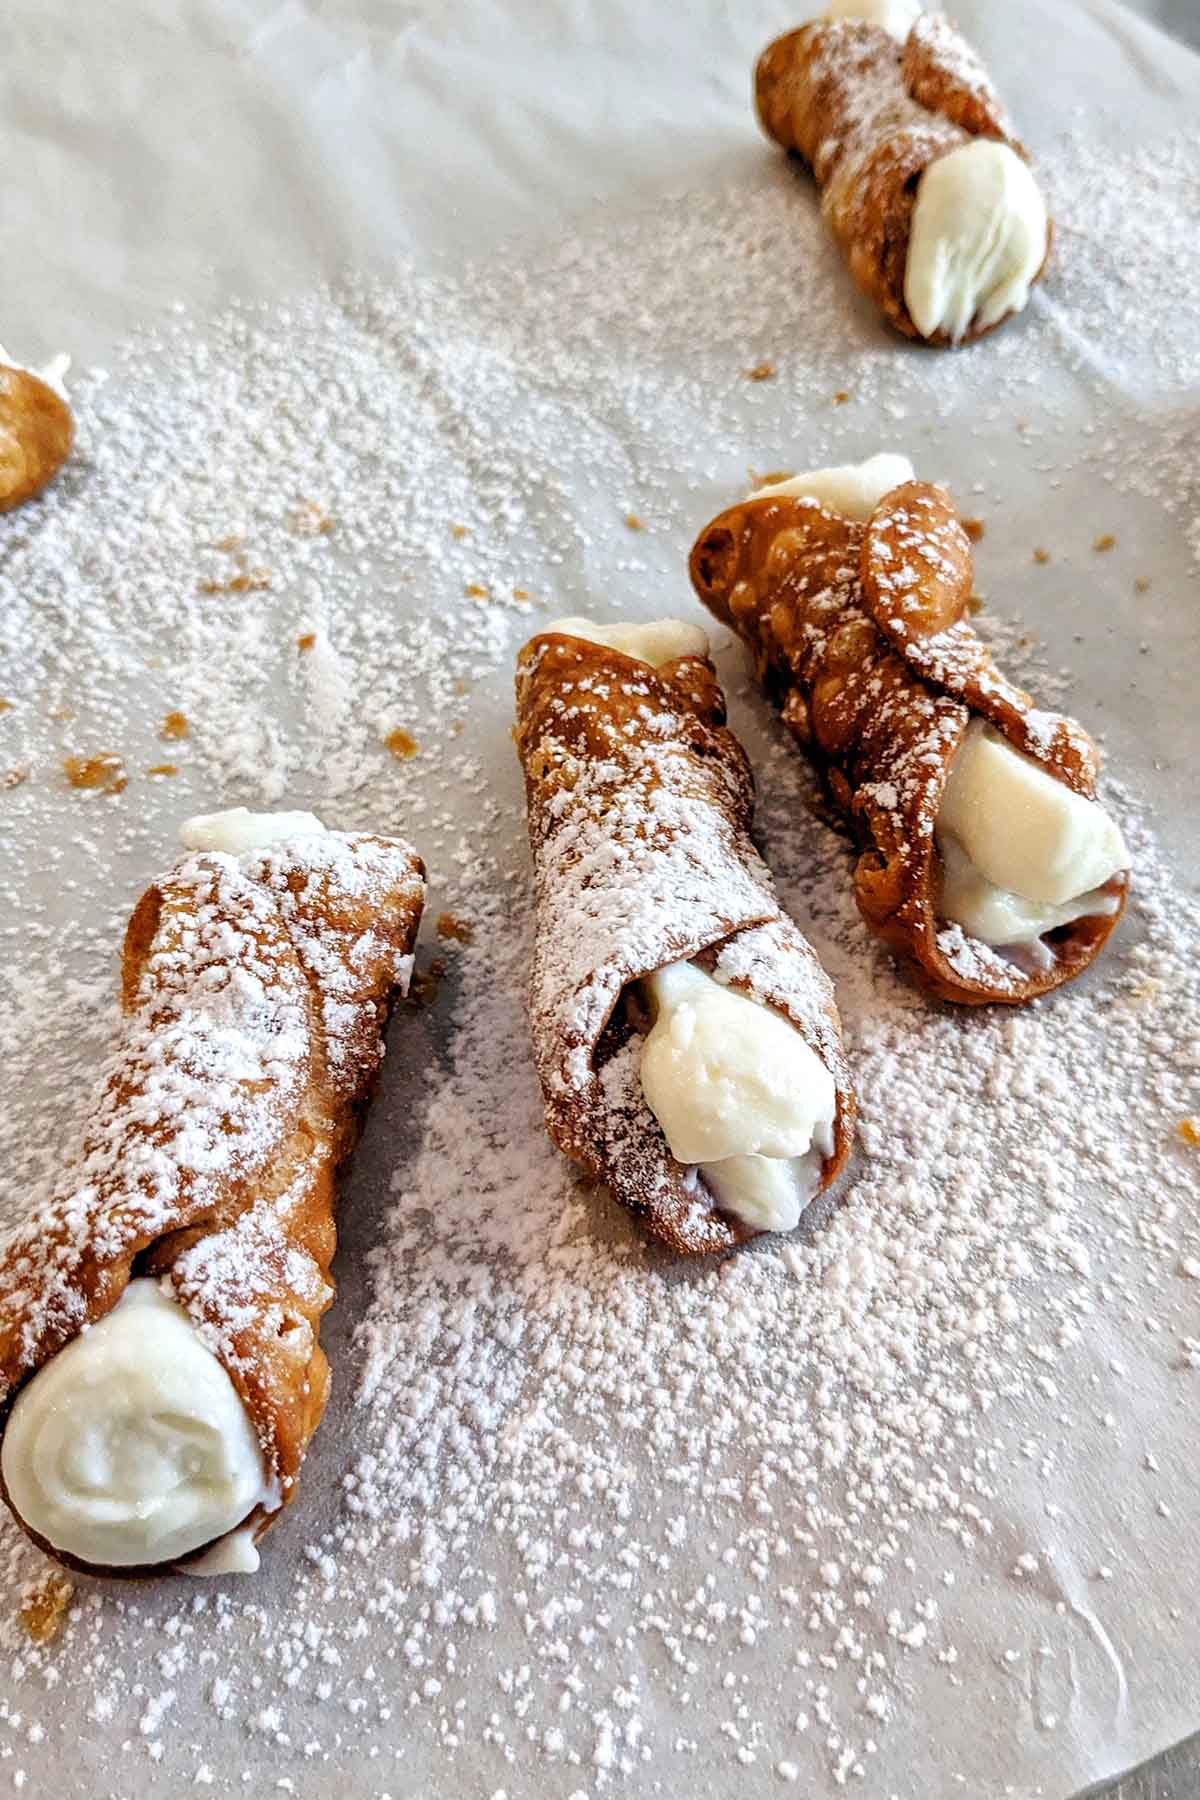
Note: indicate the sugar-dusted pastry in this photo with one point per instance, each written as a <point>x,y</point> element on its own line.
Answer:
<point>36,428</point>
<point>160,1371</point>
<point>927,191</point>
<point>686,1036</point>
<point>986,859</point>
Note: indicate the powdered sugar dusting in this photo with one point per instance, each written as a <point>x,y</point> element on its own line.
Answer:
<point>578,1524</point>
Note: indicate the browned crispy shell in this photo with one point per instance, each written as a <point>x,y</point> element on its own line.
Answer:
<point>858,635</point>
<point>255,1001</point>
<point>868,116</point>
<point>640,803</point>
<point>36,432</point>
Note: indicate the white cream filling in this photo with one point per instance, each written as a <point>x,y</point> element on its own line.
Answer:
<point>1022,853</point>
<point>998,916</point>
<point>853,490</point>
<point>238,831</point>
<point>54,374</point>
<point>739,1094</point>
<point>977,240</point>
<point>234,1554</point>
<point>897,17</point>
<point>658,642</point>
<point>132,1446</point>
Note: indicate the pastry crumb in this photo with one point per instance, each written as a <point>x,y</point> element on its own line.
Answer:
<point>763,371</point>
<point>401,743</point>
<point>234,541</point>
<point>974,603</point>
<point>633,522</point>
<point>1106,541</point>
<point>520,593</point>
<point>310,520</point>
<point>450,925</point>
<point>1040,555</point>
<point>174,726</point>
<point>769,477</point>
<point>475,590</point>
<point>14,777</point>
<point>163,769</point>
<point>841,397</point>
<point>460,531</point>
<point>249,581</point>
<point>306,641</point>
<point>44,1606</point>
<point>422,991</point>
<point>6,706</point>
<point>1189,1131</point>
<point>1141,584</point>
<point>104,773</point>
<point>973,528</point>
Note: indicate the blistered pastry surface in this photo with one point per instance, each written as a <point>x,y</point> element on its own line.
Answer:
<point>856,634</point>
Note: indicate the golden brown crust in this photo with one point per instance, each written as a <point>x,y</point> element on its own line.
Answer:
<point>944,74</point>
<point>36,432</point>
<point>640,803</point>
<point>857,635</point>
<point>868,116</point>
<point>255,999</point>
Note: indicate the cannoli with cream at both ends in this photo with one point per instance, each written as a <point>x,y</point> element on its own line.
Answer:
<point>986,860</point>
<point>36,428</point>
<point>927,191</point>
<point>685,1035</point>
<point>160,1370</point>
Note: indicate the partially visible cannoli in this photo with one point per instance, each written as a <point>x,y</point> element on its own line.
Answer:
<point>686,1037</point>
<point>160,1370</point>
<point>986,859</point>
<point>924,186</point>
<point>36,428</point>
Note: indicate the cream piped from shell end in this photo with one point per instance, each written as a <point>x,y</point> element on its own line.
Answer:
<point>657,642</point>
<point>740,1095</point>
<point>852,490</point>
<point>53,373</point>
<point>1022,853</point>
<point>978,237</point>
<point>237,831</point>
<point>896,17</point>
<point>132,1447</point>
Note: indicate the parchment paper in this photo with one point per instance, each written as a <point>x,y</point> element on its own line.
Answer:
<point>206,151</point>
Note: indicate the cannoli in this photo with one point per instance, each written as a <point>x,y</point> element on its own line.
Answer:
<point>160,1374</point>
<point>685,1035</point>
<point>36,428</point>
<point>986,860</point>
<point>925,188</point>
